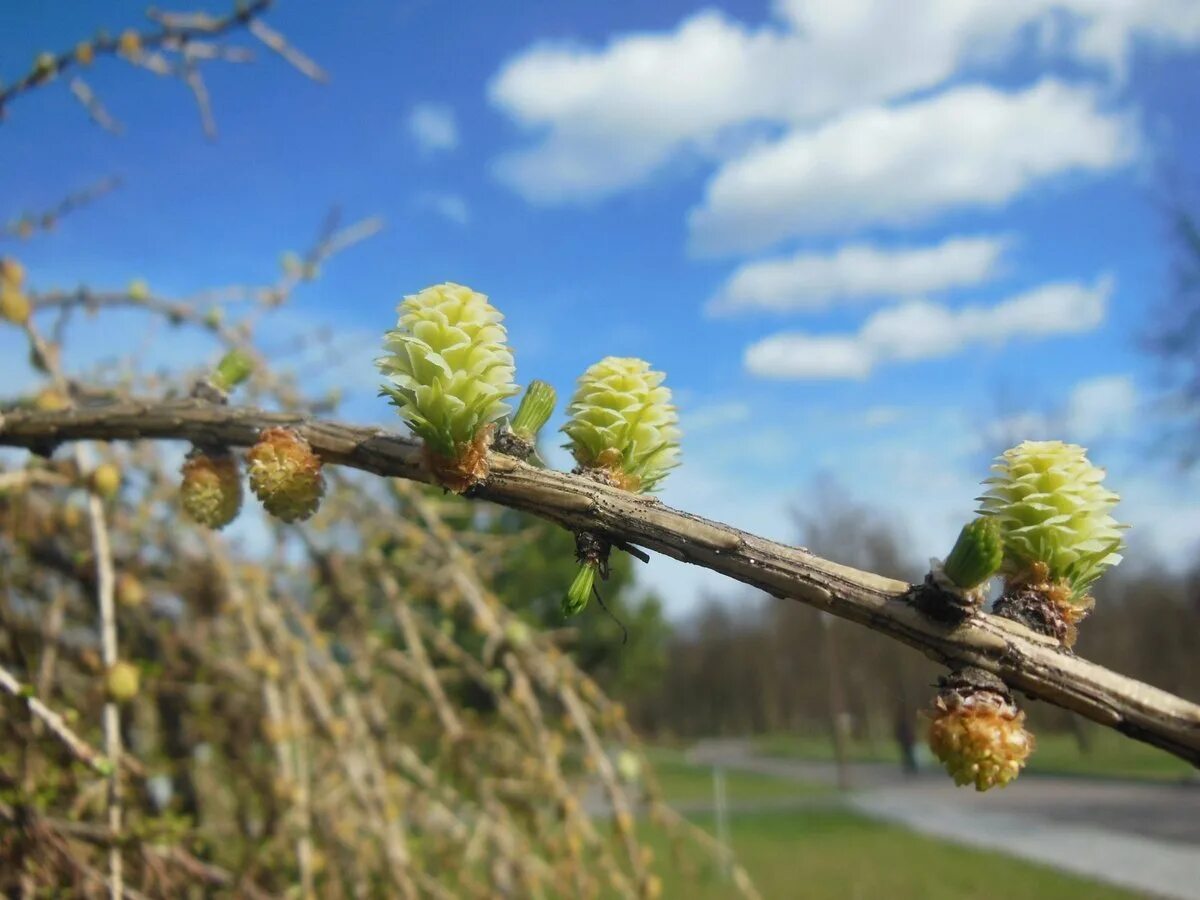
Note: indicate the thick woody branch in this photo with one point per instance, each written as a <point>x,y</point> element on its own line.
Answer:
<point>1028,662</point>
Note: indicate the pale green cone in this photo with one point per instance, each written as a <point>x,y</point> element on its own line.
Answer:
<point>234,368</point>
<point>1053,509</point>
<point>580,591</point>
<point>448,365</point>
<point>622,420</point>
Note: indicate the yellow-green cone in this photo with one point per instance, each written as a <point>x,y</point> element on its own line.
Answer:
<point>450,371</point>
<point>623,422</point>
<point>285,474</point>
<point>211,491</point>
<point>1053,510</point>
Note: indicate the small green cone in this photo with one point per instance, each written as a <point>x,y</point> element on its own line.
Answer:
<point>234,368</point>
<point>977,554</point>
<point>535,410</point>
<point>580,591</point>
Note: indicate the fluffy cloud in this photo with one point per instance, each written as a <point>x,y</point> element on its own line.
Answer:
<point>451,207</point>
<point>923,330</point>
<point>606,119</point>
<point>1096,408</point>
<point>714,416</point>
<point>813,281</point>
<point>1101,406</point>
<point>433,127</point>
<point>972,146</point>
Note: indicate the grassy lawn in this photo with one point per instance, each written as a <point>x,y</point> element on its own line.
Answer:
<point>823,853</point>
<point>684,783</point>
<point>1111,756</point>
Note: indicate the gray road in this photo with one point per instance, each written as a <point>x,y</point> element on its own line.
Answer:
<point>1138,835</point>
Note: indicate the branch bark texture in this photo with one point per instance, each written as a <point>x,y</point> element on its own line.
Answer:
<point>1027,662</point>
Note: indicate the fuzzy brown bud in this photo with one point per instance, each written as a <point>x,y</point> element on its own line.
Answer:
<point>285,474</point>
<point>211,492</point>
<point>977,731</point>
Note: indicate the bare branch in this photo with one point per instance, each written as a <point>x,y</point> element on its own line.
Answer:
<point>276,41</point>
<point>78,747</point>
<point>1026,661</point>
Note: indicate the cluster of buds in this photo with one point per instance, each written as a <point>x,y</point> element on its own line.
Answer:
<point>1054,515</point>
<point>14,304</point>
<point>285,474</point>
<point>1046,524</point>
<point>977,731</point>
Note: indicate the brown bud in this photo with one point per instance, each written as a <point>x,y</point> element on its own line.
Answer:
<point>211,492</point>
<point>285,474</point>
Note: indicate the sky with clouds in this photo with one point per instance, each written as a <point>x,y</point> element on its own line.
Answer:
<point>867,241</point>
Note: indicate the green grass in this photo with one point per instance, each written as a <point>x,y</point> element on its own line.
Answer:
<point>823,853</point>
<point>684,783</point>
<point>1111,755</point>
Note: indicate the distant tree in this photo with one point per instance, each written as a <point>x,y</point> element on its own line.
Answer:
<point>623,648</point>
<point>1175,336</point>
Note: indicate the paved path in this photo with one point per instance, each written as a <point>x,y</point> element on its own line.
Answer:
<point>1138,835</point>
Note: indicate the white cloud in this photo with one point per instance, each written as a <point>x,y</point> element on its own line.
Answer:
<point>451,207</point>
<point>968,147</point>
<point>714,416</point>
<point>881,416</point>
<point>1101,406</point>
<point>606,119</point>
<point>1095,408</point>
<point>923,330</point>
<point>814,281</point>
<point>433,126</point>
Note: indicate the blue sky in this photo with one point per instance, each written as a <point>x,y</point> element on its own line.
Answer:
<point>861,244</point>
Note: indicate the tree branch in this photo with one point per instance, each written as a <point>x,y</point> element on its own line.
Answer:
<point>1028,662</point>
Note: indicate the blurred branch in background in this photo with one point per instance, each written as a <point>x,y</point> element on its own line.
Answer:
<point>1175,338</point>
<point>175,46</point>
<point>26,224</point>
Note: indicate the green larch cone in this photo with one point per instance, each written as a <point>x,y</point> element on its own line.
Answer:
<point>1053,510</point>
<point>978,733</point>
<point>977,555</point>
<point>623,422</point>
<point>535,410</point>
<point>450,372</point>
<point>285,474</point>
<point>580,591</point>
<point>234,368</point>
<point>211,491</point>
